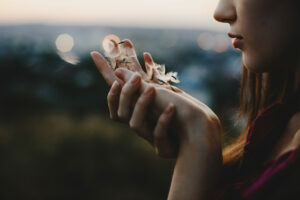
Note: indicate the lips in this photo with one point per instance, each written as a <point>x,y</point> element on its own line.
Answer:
<point>237,40</point>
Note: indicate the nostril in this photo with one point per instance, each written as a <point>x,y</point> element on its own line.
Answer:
<point>225,12</point>
<point>217,16</point>
<point>225,19</point>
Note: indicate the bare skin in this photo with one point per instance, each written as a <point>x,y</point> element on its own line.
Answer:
<point>270,41</point>
<point>120,102</point>
<point>263,26</point>
<point>197,128</point>
<point>290,139</point>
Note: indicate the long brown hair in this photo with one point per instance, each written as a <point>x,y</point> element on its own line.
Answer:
<point>258,91</point>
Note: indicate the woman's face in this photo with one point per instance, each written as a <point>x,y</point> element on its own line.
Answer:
<point>266,31</point>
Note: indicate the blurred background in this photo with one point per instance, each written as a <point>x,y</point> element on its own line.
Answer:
<point>56,138</point>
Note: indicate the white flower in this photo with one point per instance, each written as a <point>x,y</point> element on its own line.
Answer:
<point>158,74</point>
<point>117,55</point>
<point>120,56</point>
<point>111,46</point>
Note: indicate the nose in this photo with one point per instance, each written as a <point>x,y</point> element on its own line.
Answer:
<point>225,11</point>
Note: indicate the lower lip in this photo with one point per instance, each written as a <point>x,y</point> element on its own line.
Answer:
<point>237,43</point>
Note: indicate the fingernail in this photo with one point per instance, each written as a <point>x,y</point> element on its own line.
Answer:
<point>169,109</point>
<point>148,58</point>
<point>135,79</point>
<point>92,53</point>
<point>127,43</point>
<point>115,87</point>
<point>149,91</point>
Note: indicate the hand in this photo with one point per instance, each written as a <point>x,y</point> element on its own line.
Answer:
<point>198,129</point>
<point>156,133</point>
<point>121,100</point>
<point>112,46</point>
<point>191,110</point>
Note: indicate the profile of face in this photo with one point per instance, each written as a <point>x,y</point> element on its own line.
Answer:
<point>266,31</point>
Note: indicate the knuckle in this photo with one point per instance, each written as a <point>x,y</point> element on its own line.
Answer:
<point>146,91</point>
<point>159,152</point>
<point>121,115</point>
<point>135,74</point>
<point>163,153</point>
<point>119,70</point>
<point>110,97</point>
<point>159,137</point>
<point>163,119</point>
<point>133,125</point>
<point>140,102</point>
<point>152,87</point>
<point>126,90</point>
<point>113,117</point>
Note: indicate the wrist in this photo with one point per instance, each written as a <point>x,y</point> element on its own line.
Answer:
<point>201,130</point>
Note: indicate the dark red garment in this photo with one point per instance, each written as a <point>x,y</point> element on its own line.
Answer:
<point>258,178</point>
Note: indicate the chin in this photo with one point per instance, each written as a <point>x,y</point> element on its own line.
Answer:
<point>255,65</point>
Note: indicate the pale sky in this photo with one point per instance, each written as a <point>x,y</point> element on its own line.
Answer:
<point>141,13</point>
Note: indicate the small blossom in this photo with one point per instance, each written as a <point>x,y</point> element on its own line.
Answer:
<point>111,47</point>
<point>120,56</point>
<point>117,55</point>
<point>160,76</point>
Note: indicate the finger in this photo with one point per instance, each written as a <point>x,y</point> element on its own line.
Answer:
<point>162,144</point>
<point>104,68</point>
<point>113,100</point>
<point>148,58</point>
<point>137,121</point>
<point>123,74</point>
<point>127,96</point>
<point>149,63</point>
<point>128,48</point>
<point>129,51</point>
<point>152,73</point>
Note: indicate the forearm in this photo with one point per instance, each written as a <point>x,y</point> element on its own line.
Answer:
<point>197,167</point>
<point>195,175</point>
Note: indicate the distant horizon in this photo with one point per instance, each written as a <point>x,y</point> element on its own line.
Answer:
<point>178,14</point>
<point>112,26</point>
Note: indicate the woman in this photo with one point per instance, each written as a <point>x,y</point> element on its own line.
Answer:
<point>264,161</point>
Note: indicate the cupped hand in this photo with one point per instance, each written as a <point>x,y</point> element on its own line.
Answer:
<point>130,102</point>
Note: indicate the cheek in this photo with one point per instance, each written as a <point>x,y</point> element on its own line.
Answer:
<point>253,29</point>
<point>259,49</point>
<point>270,35</point>
<point>268,55</point>
<point>267,45</point>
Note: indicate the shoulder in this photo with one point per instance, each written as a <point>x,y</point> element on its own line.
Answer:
<point>294,126</point>
<point>290,139</point>
<point>296,139</point>
<point>292,133</point>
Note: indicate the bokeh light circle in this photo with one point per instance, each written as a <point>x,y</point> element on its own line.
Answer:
<point>206,41</point>
<point>64,43</point>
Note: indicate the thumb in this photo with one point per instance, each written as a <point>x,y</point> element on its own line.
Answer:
<point>104,68</point>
